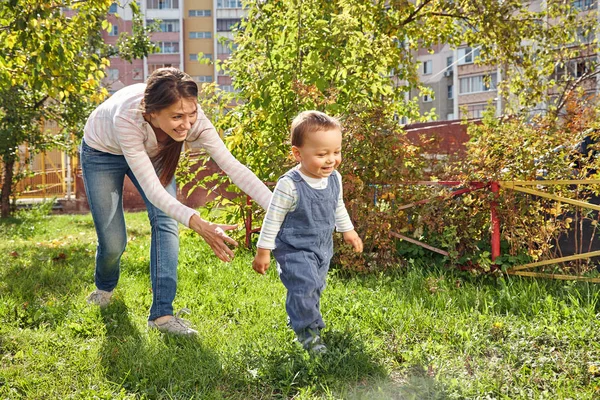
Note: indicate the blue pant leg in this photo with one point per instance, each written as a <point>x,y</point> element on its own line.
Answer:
<point>164,255</point>
<point>299,272</point>
<point>103,176</point>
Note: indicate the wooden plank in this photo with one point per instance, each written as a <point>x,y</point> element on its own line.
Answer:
<point>554,276</point>
<point>415,241</point>
<point>509,184</point>
<point>557,260</point>
<point>578,203</point>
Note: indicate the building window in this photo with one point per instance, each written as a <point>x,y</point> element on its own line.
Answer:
<point>427,67</point>
<point>136,74</point>
<point>585,37</point>
<point>112,74</point>
<point>583,5</point>
<point>448,70</point>
<point>194,57</point>
<point>162,4</point>
<point>114,31</point>
<point>167,25</point>
<point>226,25</point>
<point>113,8</point>
<point>203,78</point>
<point>427,98</point>
<point>227,88</point>
<point>476,110</point>
<point>478,83</point>
<point>229,3</point>
<point>450,116</point>
<point>199,13</point>
<point>450,91</point>
<point>226,48</point>
<point>200,35</point>
<point>168,47</point>
<point>467,55</point>
<point>154,67</point>
<point>575,68</point>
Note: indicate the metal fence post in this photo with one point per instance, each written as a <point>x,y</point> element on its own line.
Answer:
<point>495,187</point>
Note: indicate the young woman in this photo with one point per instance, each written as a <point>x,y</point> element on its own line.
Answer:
<point>139,132</point>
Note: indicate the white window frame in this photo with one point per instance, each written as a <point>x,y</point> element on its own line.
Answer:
<point>467,55</point>
<point>200,13</point>
<point>162,4</point>
<point>112,74</point>
<point>229,3</point>
<point>427,67</point>
<point>201,35</point>
<point>203,78</point>
<point>172,46</point>
<point>194,56</point>
<point>174,23</point>
<point>478,84</point>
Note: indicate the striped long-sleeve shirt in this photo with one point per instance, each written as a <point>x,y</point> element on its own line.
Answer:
<point>285,199</point>
<point>117,126</point>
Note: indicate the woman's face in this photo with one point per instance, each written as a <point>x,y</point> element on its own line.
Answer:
<point>177,119</point>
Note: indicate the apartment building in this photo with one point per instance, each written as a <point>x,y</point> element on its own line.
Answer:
<point>459,87</point>
<point>193,34</point>
<point>462,89</point>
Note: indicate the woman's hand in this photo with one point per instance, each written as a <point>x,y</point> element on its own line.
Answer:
<point>215,236</point>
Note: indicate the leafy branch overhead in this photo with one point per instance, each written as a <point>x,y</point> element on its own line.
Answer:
<point>359,60</point>
<point>51,68</point>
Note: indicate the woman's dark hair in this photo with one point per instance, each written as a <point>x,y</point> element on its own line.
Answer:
<point>311,121</point>
<point>164,88</point>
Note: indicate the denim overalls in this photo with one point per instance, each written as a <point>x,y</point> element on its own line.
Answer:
<point>303,250</point>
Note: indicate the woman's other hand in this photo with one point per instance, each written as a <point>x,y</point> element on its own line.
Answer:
<point>215,236</point>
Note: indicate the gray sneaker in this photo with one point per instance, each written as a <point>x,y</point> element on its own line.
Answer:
<point>311,340</point>
<point>175,325</point>
<point>100,298</point>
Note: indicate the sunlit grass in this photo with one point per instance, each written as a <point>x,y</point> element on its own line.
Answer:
<point>418,333</point>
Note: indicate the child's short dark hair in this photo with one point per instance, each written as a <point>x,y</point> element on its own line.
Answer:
<point>311,121</point>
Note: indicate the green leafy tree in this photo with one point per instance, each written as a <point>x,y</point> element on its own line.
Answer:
<point>357,59</point>
<point>51,68</point>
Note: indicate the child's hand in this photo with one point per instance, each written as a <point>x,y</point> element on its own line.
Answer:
<point>262,260</point>
<point>351,237</point>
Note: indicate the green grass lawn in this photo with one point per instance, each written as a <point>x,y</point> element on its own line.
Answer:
<point>417,333</point>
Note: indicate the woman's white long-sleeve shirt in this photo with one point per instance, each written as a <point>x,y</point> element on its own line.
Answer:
<point>118,127</point>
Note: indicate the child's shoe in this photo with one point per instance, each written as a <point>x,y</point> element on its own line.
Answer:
<point>311,340</point>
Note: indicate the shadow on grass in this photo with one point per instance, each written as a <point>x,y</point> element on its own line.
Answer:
<point>290,370</point>
<point>39,281</point>
<point>156,365</point>
<point>418,385</point>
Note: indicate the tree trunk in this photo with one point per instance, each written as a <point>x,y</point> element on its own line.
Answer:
<point>6,188</point>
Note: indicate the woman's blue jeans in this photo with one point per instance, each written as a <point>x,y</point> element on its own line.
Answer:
<point>103,177</point>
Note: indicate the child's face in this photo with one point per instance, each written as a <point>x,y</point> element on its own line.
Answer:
<point>320,154</point>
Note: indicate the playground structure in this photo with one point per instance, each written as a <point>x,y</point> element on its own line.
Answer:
<point>495,234</point>
<point>51,175</point>
<point>495,222</point>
